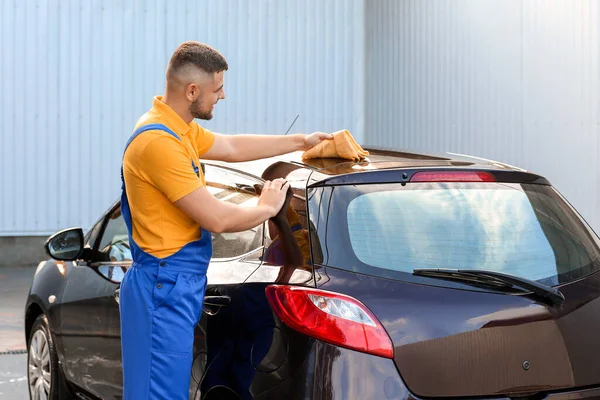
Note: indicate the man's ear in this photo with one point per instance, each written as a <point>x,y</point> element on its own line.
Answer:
<point>192,92</point>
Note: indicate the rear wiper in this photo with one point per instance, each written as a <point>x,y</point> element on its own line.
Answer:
<point>495,279</point>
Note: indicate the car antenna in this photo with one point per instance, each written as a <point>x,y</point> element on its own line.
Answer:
<point>293,122</point>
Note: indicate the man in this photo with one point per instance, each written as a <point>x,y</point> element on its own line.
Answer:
<point>170,215</point>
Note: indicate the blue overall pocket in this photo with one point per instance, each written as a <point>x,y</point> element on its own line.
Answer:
<point>177,310</point>
<point>167,287</point>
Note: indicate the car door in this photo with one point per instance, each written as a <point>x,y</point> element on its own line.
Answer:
<point>90,313</point>
<point>235,257</point>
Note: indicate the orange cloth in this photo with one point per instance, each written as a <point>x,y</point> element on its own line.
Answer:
<point>342,145</point>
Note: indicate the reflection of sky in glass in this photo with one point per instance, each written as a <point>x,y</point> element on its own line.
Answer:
<point>451,228</point>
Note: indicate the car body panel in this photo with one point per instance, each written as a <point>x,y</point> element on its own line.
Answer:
<point>45,294</point>
<point>90,332</point>
<point>476,343</point>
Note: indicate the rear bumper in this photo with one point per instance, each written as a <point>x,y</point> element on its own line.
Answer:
<point>334,373</point>
<point>571,395</point>
<point>580,394</point>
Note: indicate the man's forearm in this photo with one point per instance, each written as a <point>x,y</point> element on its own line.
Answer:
<point>240,219</point>
<point>254,147</point>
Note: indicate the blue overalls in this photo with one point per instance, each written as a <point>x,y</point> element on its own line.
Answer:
<point>161,303</point>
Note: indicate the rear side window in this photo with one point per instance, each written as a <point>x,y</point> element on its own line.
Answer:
<point>524,230</point>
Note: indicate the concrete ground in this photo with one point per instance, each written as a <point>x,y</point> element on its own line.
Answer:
<point>13,377</point>
<point>14,286</point>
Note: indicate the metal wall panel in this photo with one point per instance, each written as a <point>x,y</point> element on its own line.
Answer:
<point>511,80</point>
<point>75,75</point>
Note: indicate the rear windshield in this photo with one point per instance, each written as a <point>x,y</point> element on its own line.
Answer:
<point>520,229</point>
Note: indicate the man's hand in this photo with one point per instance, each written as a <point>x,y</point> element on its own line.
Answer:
<point>314,139</point>
<point>273,195</point>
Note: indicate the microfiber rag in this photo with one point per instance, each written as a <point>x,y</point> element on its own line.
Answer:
<point>342,145</point>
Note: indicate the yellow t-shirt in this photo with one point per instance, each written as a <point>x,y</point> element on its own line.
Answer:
<point>157,169</point>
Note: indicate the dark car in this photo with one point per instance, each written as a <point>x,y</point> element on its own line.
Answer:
<point>405,276</point>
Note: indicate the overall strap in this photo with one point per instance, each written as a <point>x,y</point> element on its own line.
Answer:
<point>150,127</point>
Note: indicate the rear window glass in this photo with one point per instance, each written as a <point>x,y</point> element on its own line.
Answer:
<point>524,230</point>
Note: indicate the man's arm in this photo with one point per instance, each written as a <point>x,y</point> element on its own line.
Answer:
<point>218,216</point>
<point>166,165</point>
<point>237,148</point>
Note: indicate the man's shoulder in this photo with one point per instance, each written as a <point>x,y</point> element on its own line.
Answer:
<point>150,135</point>
<point>150,145</point>
<point>150,118</point>
<point>153,142</point>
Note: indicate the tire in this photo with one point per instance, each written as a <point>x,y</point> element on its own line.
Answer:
<point>44,378</point>
<point>221,393</point>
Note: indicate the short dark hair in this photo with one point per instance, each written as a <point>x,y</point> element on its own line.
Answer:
<point>199,55</point>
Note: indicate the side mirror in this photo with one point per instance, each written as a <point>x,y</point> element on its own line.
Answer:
<point>65,245</point>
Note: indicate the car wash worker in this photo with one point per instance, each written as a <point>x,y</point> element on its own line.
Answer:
<point>170,215</point>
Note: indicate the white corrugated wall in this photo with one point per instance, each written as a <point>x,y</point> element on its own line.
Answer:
<point>75,75</point>
<point>511,80</point>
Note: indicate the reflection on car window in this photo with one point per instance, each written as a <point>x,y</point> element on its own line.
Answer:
<point>114,273</point>
<point>287,242</point>
<point>235,189</point>
<point>227,245</point>
<point>114,245</point>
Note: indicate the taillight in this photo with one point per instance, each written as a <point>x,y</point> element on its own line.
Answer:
<point>331,317</point>
<point>452,176</point>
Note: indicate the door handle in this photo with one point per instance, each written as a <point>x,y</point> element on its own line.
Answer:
<point>217,301</point>
<point>117,294</point>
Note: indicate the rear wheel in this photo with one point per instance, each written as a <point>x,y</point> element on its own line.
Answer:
<point>220,393</point>
<point>42,362</point>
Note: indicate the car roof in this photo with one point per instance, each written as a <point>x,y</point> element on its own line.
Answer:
<point>320,170</point>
